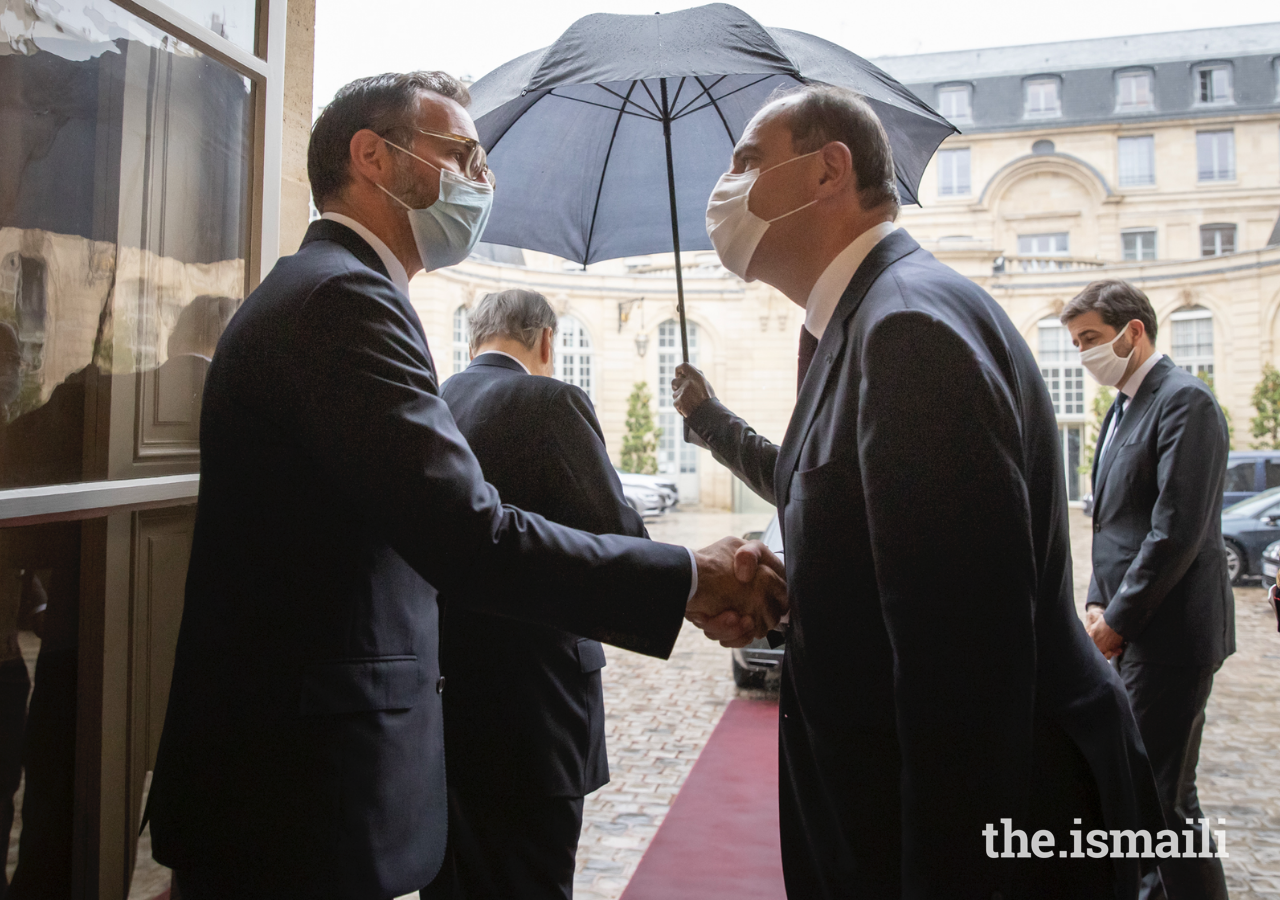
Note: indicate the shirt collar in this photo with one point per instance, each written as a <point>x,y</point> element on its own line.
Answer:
<point>1130,387</point>
<point>830,286</point>
<point>399,277</point>
<point>508,356</point>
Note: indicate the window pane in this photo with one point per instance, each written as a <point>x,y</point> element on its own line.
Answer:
<point>461,339</point>
<point>1137,160</point>
<point>953,172</point>
<point>1271,472</point>
<point>1038,246</point>
<point>1042,98</point>
<point>1215,240</point>
<point>1133,91</point>
<point>1240,476</point>
<point>1139,245</point>
<point>573,354</point>
<point>129,216</point>
<point>232,19</point>
<point>954,104</point>
<point>1216,152</point>
<point>674,455</point>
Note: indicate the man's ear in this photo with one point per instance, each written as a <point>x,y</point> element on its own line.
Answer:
<point>370,156</point>
<point>547,345</point>
<point>837,166</point>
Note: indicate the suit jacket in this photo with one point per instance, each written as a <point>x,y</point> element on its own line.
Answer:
<point>524,713</point>
<point>1159,564</point>
<point>302,751</point>
<point>933,630</point>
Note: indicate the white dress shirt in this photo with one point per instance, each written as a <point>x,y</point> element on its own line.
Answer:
<point>399,277</point>
<point>830,286</point>
<point>1128,391</point>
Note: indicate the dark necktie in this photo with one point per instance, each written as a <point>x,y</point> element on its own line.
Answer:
<point>808,347</point>
<point>1115,422</point>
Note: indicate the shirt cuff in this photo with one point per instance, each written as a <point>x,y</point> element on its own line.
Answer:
<point>693,575</point>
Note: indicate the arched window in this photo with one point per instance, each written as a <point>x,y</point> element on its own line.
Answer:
<point>461,337</point>
<point>1064,376</point>
<point>1193,340</point>
<point>674,455</point>
<point>573,354</point>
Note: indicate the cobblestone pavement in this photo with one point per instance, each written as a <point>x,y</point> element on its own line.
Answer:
<point>659,716</point>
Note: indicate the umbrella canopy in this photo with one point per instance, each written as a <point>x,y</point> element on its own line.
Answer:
<point>612,138</point>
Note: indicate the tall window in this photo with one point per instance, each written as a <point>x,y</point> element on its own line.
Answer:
<point>1216,155</point>
<point>1060,366</point>
<point>1133,92</point>
<point>1037,250</point>
<point>1216,240</point>
<point>1137,160</point>
<point>1042,100</point>
<point>1213,84</point>
<point>953,173</point>
<point>954,103</point>
<point>1139,244</point>
<point>674,455</point>
<point>461,339</point>
<point>1193,340</point>
<point>573,353</point>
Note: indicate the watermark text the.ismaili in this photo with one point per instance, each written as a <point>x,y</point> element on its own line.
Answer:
<point>1116,843</point>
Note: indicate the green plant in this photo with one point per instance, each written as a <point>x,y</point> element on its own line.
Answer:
<point>641,440</point>
<point>1102,401</point>
<point>1266,400</point>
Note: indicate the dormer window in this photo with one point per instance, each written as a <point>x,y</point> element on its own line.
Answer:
<point>1134,92</point>
<point>954,103</point>
<point>1213,84</point>
<point>1042,98</point>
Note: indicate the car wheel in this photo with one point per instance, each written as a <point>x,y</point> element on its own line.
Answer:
<point>744,677</point>
<point>1235,563</point>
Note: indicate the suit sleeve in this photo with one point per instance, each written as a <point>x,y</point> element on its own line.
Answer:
<point>598,504</point>
<point>370,411</point>
<point>1191,447</point>
<point>737,446</point>
<point>950,527</point>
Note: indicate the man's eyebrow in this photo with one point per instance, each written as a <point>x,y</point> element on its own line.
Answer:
<point>749,147</point>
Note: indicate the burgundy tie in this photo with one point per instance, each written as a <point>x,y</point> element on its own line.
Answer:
<point>808,347</point>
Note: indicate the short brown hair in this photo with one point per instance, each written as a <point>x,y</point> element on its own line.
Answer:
<point>819,114</point>
<point>383,104</point>
<point>1117,302</point>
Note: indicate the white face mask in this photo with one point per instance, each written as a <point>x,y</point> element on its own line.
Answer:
<point>448,230</point>
<point>735,231</point>
<point>1104,364</point>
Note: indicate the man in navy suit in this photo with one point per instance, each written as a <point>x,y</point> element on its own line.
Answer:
<point>302,752</point>
<point>937,678</point>
<point>524,719</point>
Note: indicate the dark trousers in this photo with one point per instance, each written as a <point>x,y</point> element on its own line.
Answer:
<point>502,848</point>
<point>1168,702</point>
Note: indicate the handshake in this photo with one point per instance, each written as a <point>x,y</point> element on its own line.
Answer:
<point>742,592</point>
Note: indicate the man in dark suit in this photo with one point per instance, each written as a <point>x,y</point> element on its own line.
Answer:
<point>936,679</point>
<point>302,752</point>
<point>1160,600</point>
<point>524,720</point>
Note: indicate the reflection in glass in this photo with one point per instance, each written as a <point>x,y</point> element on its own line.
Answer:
<point>124,198</point>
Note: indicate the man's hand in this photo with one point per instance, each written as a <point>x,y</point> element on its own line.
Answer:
<point>1108,640</point>
<point>742,592</point>
<point>689,389</point>
<point>1092,613</point>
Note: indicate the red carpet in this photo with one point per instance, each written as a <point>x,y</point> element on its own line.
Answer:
<point>720,839</point>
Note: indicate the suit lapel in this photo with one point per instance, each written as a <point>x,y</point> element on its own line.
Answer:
<point>1102,443</point>
<point>830,347</point>
<point>1137,407</point>
<point>329,230</point>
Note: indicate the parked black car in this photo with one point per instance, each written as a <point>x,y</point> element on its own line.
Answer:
<point>1248,527</point>
<point>753,663</point>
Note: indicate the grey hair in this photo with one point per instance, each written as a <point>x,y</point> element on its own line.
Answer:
<point>517,314</point>
<point>1117,302</point>
<point>818,114</point>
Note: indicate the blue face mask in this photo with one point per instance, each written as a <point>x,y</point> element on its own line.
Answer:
<point>448,230</point>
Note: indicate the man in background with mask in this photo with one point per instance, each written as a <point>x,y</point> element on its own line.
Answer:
<point>937,679</point>
<point>302,753</point>
<point>1160,601</point>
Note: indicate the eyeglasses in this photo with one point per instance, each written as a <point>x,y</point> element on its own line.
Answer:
<point>476,165</point>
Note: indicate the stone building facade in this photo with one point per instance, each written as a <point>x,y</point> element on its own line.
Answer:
<point>1153,158</point>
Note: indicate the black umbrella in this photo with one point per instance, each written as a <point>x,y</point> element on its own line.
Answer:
<point>609,142</point>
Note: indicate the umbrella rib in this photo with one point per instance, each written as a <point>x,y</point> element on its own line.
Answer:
<point>656,104</point>
<point>676,99</point>
<point>657,115</point>
<point>643,114</point>
<point>706,89</point>
<point>595,210</point>
<point>720,113</point>
<point>712,101</point>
